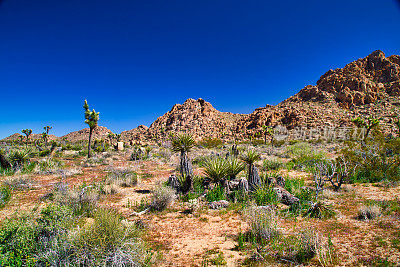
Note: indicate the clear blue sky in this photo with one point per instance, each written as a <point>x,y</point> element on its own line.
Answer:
<point>132,60</point>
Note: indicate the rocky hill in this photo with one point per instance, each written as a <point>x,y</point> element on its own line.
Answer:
<point>99,132</point>
<point>18,136</point>
<point>366,87</point>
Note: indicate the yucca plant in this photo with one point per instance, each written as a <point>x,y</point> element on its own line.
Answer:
<point>234,167</point>
<point>216,169</point>
<point>253,178</point>
<point>19,157</point>
<point>183,143</point>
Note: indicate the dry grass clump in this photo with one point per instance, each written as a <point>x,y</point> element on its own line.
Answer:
<point>122,177</point>
<point>110,189</point>
<point>93,162</point>
<point>117,178</point>
<point>19,182</point>
<point>368,212</point>
<point>162,197</point>
<point>263,222</point>
<point>313,244</point>
<point>81,200</point>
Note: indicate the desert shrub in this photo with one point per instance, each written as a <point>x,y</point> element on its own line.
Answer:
<point>313,244</point>
<point>263,223</point>
<point>19,158</point>
<point>294,185</point>
<point>257,142</point>
<point>48,166</point>
<point>272,164</point>
<point>107,241</point>
<point>216,194</point>
<point>18,241</point>
<point>109,189</point>
<point>81,200</point>
<point>25,237</point>
<point>162,197</point>
<point>210,142</point>
<point>374,159</point>
<point>72,147</point>
<point>93,162</point>
<point>5,196</point>
<point>305,195</point>
<point>265,195</point>
<point>303,155</point>
<point>122,177</point>
<point>19,182</point>
<point>368,212</point>
<point>44,153</point>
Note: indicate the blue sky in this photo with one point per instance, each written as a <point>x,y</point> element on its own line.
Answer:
<point>133,60</point>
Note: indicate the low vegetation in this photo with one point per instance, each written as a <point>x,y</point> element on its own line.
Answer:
<point>291,204</point>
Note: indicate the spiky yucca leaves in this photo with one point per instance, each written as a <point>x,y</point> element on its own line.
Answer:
<point>19,157</point>
<point>91,119</point>
<point>252,175</point>
<point>320,210</point>
<point>251,156</point>
<point>182,143</point>
<point>216,169</point>
<point>234,167</point>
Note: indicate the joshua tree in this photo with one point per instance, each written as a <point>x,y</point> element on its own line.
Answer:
<point>45,134</point>
<point>91,119</point>
<point>27,132</point>
<point>368,123</point>
<point>183,143</point>
<point>253,177</point>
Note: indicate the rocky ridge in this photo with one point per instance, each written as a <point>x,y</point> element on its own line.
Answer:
<point>369,86</point>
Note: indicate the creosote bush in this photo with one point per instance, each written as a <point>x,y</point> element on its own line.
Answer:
<point>107,241</point>
<point>122,177</point>
<point>81,200</point>
<point>313,244</point>
<point>162,197</point>
<point>263,222</point>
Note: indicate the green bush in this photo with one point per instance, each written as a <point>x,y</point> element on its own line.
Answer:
<point>272,164</point>
<point>5,196</point>
<point>216,194</point>
<point>108,241</point>
<point>374,159</point>
<point>304,156</point>
<point>265,195</point>
<point>210,142</point>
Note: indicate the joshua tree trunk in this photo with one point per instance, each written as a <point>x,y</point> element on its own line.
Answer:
<point>254,179</point>
<point>90,143</point>
<point>186,171</point>
<point>185,165</point>
<point>5,164</point>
